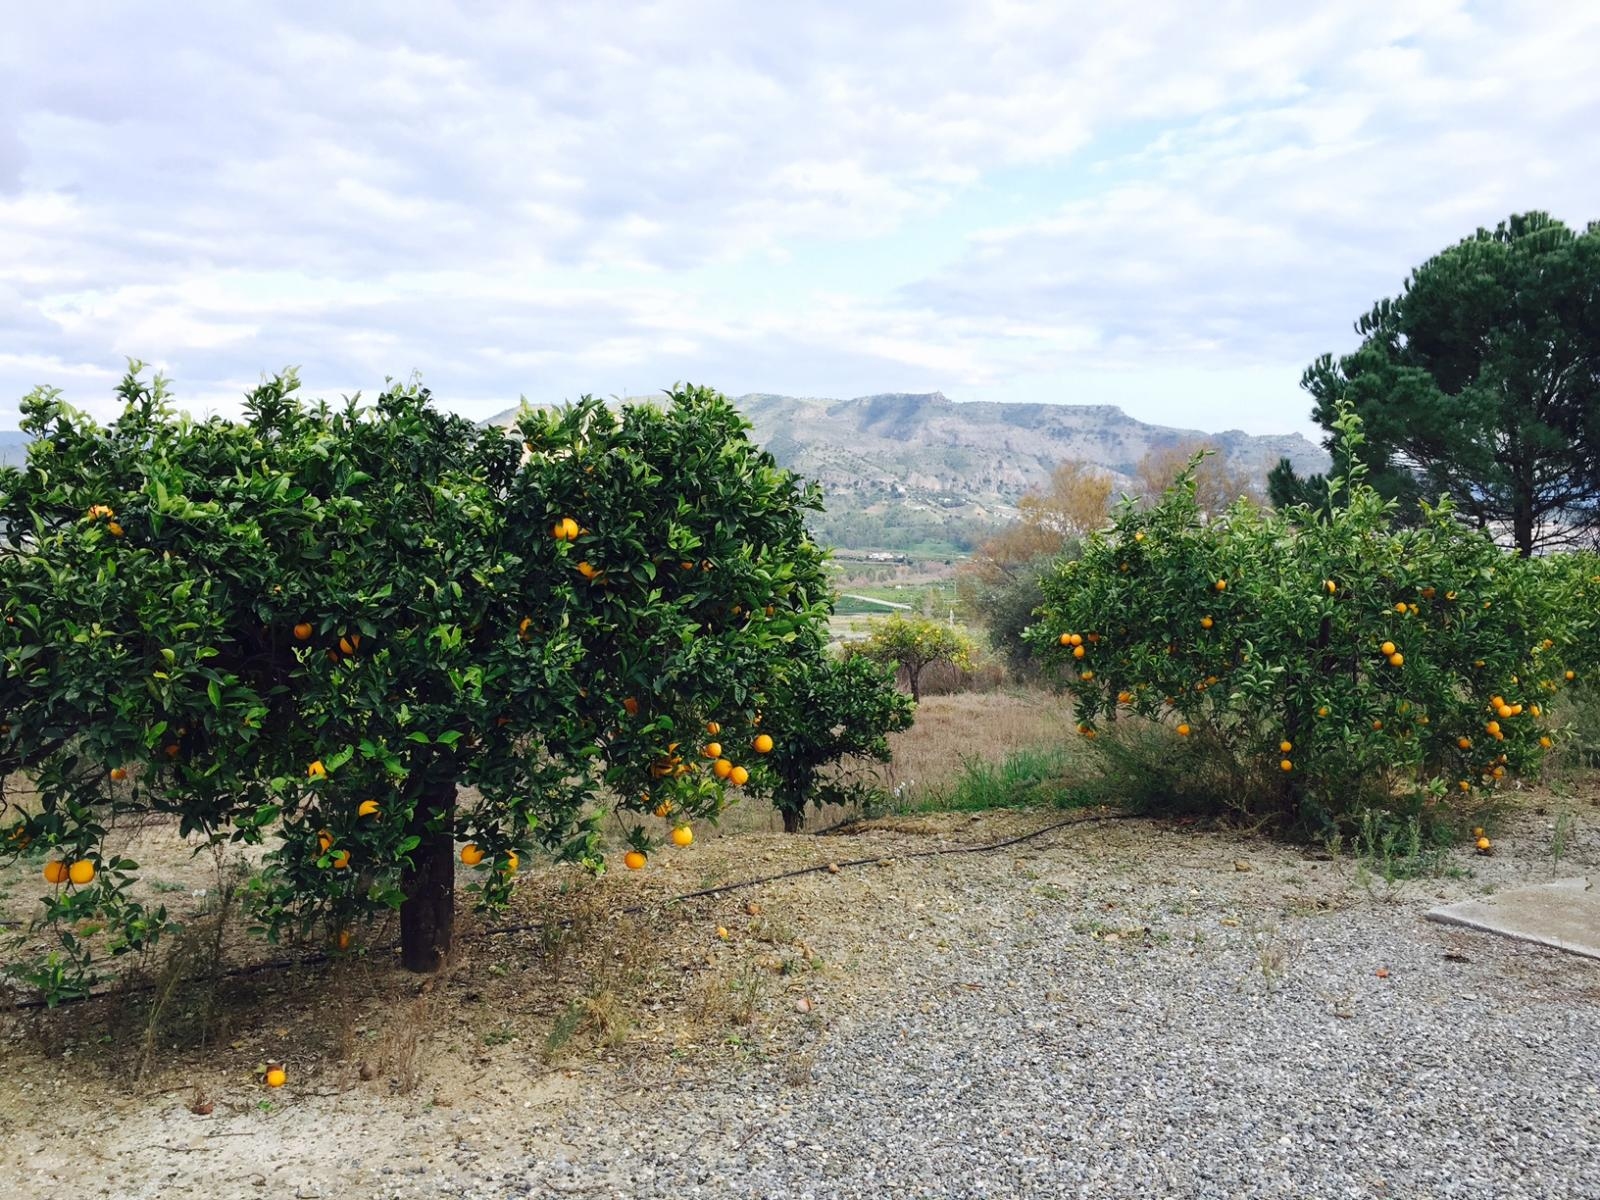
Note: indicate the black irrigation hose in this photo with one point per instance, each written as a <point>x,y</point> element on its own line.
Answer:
<point>986,848</point>
<point>321,956</point>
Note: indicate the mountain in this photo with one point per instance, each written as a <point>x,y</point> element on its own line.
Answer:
<point>13,447</point>
<point>908,471</point>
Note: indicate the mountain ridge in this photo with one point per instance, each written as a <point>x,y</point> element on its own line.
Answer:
<point>903,468</point>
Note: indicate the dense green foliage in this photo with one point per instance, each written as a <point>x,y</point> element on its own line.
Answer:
<point>1481,382</point>
<point>1314,669</point>
<point>306,628</point>
<point>833,714</point>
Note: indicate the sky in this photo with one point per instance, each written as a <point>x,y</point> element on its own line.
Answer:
<point>1166,206</point>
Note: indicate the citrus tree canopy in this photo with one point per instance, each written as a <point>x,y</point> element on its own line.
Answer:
<point>1316,670</point>
<point>308,628</point>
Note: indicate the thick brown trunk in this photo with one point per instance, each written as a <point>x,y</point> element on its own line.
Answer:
<point>428,913</point>
<point>793,821</point>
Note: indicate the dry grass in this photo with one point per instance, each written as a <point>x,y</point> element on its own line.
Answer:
<point>927,757</point>
<point>984,725</point>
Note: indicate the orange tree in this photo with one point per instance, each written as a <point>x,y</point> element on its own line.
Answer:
<point>310,627</point>
<point>831,710</point>
<point>914,644</point>
<point>1329,661</point>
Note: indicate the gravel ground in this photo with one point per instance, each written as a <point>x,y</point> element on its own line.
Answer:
<point>1122,1010</point>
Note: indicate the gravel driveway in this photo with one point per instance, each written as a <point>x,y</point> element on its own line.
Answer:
<point>1116,1010</point>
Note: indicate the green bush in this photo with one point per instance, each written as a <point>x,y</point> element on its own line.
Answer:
<point>1310,670</point>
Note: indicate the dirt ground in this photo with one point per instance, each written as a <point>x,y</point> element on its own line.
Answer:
<point>556,1021</point>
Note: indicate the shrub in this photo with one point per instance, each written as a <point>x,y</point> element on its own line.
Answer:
<point>1319,667</point>
<point>831,710</point>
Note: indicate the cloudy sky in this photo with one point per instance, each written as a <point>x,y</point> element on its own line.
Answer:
<point>1168,206</point>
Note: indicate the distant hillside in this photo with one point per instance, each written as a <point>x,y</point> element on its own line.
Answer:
<point>13,447</point>
<point>922,472</point>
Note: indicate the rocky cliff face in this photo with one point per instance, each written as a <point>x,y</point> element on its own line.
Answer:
<point>929,443</point>
<point>902,469</point>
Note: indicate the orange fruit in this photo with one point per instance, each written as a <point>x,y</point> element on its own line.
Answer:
<point>1285,746</point>
<point>1183,731</point>
<point>1066,639</point>
<point>722,768</point>
<point>1386,649</point>
<point>1286,765</point>
<point>344,939</point>
<point>1492,727</point>
<point>664,809</point>
<point>118,774</point>
<point>341,859</point>
<point>631,707</point>
<point>1400,608</point>
<point>1087,676</point>
<point>367,808</point>
<point>1077,639</point>
<point>1571,675</point>
<point>114,529</point>
<point>587,569</point>
<point>1222,585</point>
<point>1124,697</point>
<point>302,631</point>
<point>1078,652</point>
<point>1464,786</point>
<point>682,836</point>
<point>713,750</point>
<point>316,770</point>
<point>1206,622</point>
<point>634,860</point>
<point>1323,711</point>
<point>512,862</point>
<point>1330,585</point>
<point>81,872</point>
<point>738,777</point>
<point>1477,831</point>
<point>1546,742</point>
<point>1397,659</point>
<point>713,728</point>
<point>472,854</point>
<point>325,841</point>
<point>1377,725</point>
<point>1483,845</point>
<point>346,646</point>
<point>276,1077</point>
<point>1464,742</point>
<point>171,750</point>
<point>763,743</point>
<point>55,872</point>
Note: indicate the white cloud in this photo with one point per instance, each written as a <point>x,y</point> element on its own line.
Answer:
<point>1162,204</point>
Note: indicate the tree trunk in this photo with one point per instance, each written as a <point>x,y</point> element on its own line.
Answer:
<point>914,678</point>
<point>793,821</point>
<point>1522,523</point>
<point>428,912</point>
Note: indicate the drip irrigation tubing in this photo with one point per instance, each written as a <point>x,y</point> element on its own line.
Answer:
<point>830,867</point>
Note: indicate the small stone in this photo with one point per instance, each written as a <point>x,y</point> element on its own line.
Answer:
<point>1240,864</point>
<point>833,868</point>
<point>802,1005</point>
